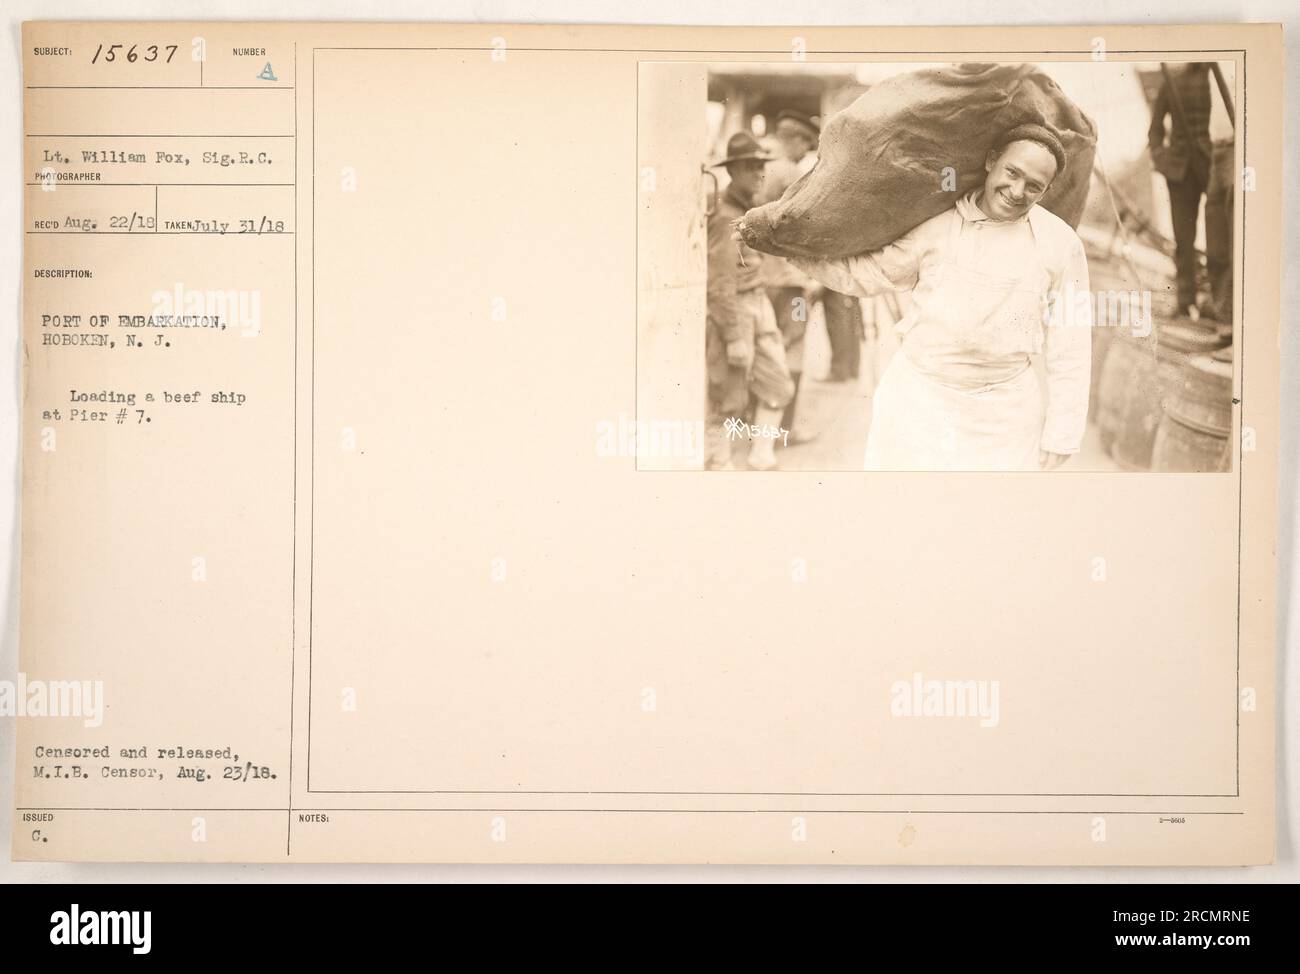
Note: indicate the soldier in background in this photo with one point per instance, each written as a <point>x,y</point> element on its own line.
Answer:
<point>1219,204</point>
<point>744,351</point>
<point>1218,232</point>
<point>798,135</point>
<point>788,288</point>
<point>1184,160</point>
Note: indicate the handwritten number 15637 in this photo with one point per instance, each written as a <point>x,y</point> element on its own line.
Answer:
<point>133,53</point>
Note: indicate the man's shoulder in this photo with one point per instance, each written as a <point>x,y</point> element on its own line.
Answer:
<point>942,219</point>
<point>932,228</point>
<point>1053,228</point>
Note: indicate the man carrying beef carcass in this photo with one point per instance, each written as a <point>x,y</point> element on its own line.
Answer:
<point>995,280</point>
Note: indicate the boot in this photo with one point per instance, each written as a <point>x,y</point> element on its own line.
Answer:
<point>762,453</point>
<point>787,417</point>
<point>717,447</point>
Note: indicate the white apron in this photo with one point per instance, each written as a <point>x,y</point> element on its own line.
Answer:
<point>921,423</point>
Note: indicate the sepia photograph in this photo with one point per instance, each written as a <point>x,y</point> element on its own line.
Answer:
<point>967,266</point>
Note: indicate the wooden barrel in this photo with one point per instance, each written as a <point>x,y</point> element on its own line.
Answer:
<point>1148,382</point>
<point>1195,432</point>
<point>1104,273</point>
<point>1124,356</point>
<point>1101,342</point>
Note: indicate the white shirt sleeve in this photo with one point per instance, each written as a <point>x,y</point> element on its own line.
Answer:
<point>894,267</point>
<point>1068,356</point>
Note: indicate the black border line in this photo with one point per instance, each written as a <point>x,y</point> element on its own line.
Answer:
<point>293,583</point>
<point>664,811</point>
<point>1239,354</point>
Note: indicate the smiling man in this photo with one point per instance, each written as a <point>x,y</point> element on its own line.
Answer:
<point>985,277</point>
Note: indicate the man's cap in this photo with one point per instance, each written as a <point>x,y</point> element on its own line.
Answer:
<point>741,146</point>
<point>808,122</point>
<point>1034,133</point>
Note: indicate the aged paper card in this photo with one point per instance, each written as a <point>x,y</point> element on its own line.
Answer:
<point>611,444</point>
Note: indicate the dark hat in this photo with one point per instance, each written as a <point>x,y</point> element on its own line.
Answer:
<point>742,145</point>
<point>810,123</point>
<point>1034,133</point>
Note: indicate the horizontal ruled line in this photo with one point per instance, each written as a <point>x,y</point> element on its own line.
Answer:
<point>60,808</point>
<point>159,88</point>
<point>92,183</point>
<point>785,51</point>
<point>782,811</point>
<point>780,794</point>
<point>664,811</point>
<point>138,135</point>
<point>160,233</point>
